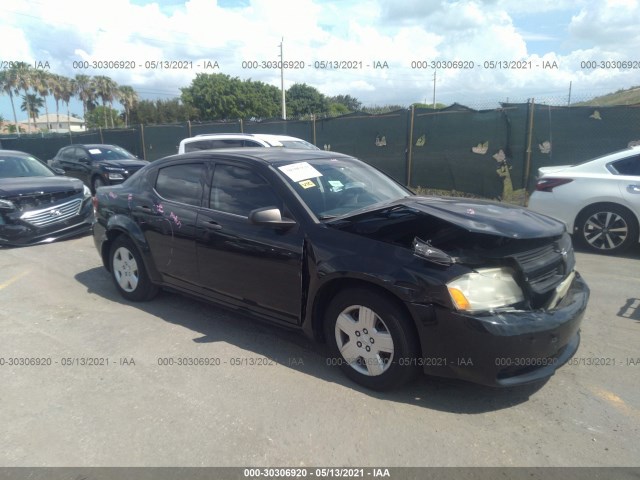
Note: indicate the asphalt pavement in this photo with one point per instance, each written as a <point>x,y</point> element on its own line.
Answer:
<point>99,384</point>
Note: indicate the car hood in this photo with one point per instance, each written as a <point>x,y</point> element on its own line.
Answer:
<point>124,163</point>
<point>477,216</point>
<point>11,187</point>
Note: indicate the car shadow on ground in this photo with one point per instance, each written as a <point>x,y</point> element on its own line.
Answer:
<point>294,350</point>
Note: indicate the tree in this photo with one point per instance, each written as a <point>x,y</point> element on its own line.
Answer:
<point>128,99</point>
<point>31,104</point>
<point>42,85</point>
<point>429,105</point>
<point>98,117</point>
<point>8,84</point>
<point>24,79</point>
<point>218,96</point>
<point>337,109</point>
<point>161,111</point>
<point>352,103</point>
<point>85,91</point>
<point>105,91</point>
<point>377,110</point>
<point>68,90</point>
<point>303,99</point>
<point>57,90</point>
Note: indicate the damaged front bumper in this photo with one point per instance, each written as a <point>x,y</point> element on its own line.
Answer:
<point>505,348</point>
<point>47,224</point>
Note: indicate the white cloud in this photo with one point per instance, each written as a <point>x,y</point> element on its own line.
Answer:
<point>355,30</point>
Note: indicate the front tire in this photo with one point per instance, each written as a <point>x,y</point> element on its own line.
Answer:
<point>606,228</point>
<point>128,271</point>
<point>371,339</point>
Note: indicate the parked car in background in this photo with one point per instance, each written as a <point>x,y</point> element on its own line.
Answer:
<point>37,204</point>
<point>236,140</point>
<point>599,200</point>
<point>324,243</point>
<point>97,165</point>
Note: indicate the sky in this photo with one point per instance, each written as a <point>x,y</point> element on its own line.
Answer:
<point>481,52</point>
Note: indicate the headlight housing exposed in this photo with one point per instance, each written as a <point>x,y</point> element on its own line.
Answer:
<point>7,205</point>
<point>485,289</point>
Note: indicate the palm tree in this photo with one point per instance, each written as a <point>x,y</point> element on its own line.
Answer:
<point>32,104</point>
<point>85,91</point>
<point>105,88</point>
<point>68,90</point>
<point>8,85</point>
<point>24,79</point>
<point>128,99</point>
<point>42,85</point>
<point>57,90</point>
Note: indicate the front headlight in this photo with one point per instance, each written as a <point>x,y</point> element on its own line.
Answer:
<point>485,289</point>
<point>86,191</point>
<point>115,176</point>
<point>7,205</point>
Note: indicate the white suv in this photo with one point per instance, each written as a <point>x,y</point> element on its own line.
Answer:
<point>235,140</point>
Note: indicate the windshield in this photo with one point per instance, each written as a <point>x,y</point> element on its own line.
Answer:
<point>12,166</point>
<point>110,153</point>
<point>335,187</point>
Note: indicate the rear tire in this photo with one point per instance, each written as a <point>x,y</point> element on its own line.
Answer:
<point>606,228</point>
<point>371,339</point>
<point>128,271</point>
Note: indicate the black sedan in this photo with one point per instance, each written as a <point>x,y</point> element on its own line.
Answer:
<point>324,243</point>
<point>97,164</point>
<point>37,204</point>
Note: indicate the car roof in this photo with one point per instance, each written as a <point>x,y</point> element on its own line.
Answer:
<point>17,152</point>
<point>260,136</point>
<point>93,145</point>
<point>263,155</point>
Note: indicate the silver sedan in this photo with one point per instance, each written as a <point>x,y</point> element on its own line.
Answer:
<point>599,199</point>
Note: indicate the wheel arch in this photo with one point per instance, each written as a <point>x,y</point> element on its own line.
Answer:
<point>119,225</point>
<point>328,290</point>
<point>605,204</point>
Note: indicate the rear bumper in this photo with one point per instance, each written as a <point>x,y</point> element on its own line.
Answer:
<point>507,348</point>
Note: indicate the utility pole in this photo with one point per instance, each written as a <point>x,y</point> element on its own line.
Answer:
<point>284,105</point>
<point>569,101</point>
<point>434,89</point>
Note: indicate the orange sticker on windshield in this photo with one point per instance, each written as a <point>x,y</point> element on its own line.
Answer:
<point>307,184</point>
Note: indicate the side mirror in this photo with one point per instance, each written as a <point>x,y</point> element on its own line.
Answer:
<point>59,171</point>
<point>270,217</point>
<point>84,160</point>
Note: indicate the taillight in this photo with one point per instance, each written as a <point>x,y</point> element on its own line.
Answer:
<point>548,184</point>
<point>94,200</point>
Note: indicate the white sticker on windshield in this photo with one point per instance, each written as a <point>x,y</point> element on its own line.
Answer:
<point>299,171</point>
<point>95,151</point>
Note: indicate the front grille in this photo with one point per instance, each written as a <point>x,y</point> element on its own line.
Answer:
<point>545,267</point>
<point>35,200</point>
<point>51,215</point>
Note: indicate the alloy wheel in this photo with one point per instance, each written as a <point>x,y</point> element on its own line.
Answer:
<point>605,230</point>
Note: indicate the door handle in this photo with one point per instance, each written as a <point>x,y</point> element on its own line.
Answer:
<point>633,188</point>
<point>143,209</point>
<point>212,225</point>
